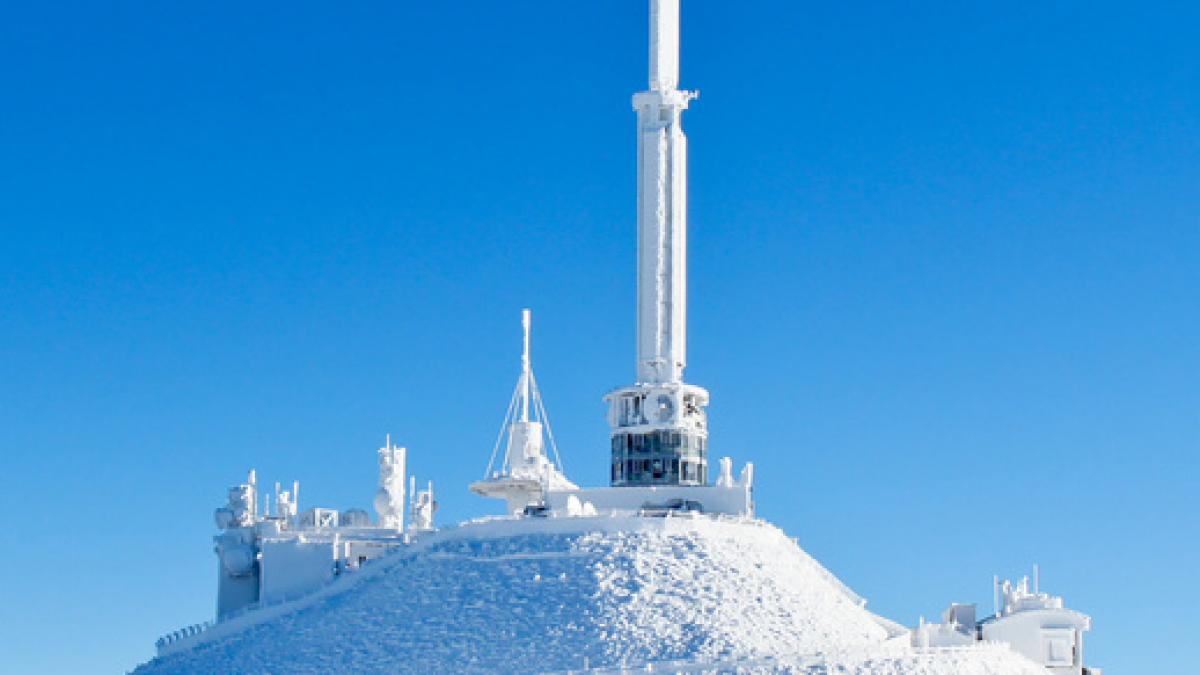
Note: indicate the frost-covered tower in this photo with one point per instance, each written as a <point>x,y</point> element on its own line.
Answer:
<point>659,428</point>
<point>524,473</point>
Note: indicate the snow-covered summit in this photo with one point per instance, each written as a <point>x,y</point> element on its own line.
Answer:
<point>661,569</point>
<point>558,594</point>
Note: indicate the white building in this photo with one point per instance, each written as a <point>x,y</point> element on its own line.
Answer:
<point>1037,625</point>
<point>264,559</point>
<point>1034,624</point>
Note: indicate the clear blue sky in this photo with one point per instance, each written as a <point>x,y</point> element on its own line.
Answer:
<point>944,284</point>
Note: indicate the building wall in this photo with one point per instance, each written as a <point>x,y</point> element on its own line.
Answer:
<point>234,593</point>
<point>291,567</point>
<point>1051,637</point>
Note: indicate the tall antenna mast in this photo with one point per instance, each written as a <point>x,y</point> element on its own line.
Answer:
<point>659,427</point>
<point>662,206</point>
<point>664,45</point>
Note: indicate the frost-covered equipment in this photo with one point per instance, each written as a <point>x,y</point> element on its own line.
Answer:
<point>237,548</point>
<point>1037,625</point>
<point>659,426</point>
<point>524,473</point>
<point>1034,624</point>
<point>389,500</point>
<point>264,558</point>
<point>423,508</point>
<point>287,503</point>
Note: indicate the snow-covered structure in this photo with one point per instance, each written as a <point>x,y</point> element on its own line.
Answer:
<point>603,593</point>
<point>524,473</point>
<point>531,482</point>
<point>389,500</point>
<point>1037,625</point>
<point>1032,623</point>
<point>659,569</point>
<point>659,425</point>
<point>264,559</point>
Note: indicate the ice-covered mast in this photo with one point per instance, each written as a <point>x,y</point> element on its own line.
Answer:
<point>526,367</point>
<point>662,206</point>
<point>524,473</point>
<point>659,427</point>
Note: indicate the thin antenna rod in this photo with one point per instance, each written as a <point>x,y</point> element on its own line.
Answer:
<point>996,594</point>
<point>664,44</point>
<point>252,479</point>
<point>526,367</point>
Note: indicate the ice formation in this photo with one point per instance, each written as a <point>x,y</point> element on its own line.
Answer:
<point>560,594</point>
<point>661,570</point>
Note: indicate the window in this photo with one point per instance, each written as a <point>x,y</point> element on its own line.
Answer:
<point>668,456</point>
<point>1059,646</point>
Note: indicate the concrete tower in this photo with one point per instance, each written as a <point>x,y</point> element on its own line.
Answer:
<point>659,428</point>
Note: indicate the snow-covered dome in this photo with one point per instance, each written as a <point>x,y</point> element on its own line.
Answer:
<point>558,594</point>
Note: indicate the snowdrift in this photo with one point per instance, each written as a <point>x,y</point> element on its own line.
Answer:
<point>536,595</point>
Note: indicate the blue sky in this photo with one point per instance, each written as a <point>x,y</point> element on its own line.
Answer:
<point>944,284</point>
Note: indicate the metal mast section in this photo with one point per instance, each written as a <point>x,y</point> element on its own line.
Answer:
<point>524,472</point>
<point>659,427</point>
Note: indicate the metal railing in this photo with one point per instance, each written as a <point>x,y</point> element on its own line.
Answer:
<point>182,634</point>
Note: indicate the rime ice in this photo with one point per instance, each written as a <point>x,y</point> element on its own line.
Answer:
<point>659,570</point>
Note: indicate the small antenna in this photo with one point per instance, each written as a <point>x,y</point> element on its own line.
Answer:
<point>252,479</point>
<point>996,594</point>
<point>526,367</point>
<point>526,325</point>
<point>1036,579</point>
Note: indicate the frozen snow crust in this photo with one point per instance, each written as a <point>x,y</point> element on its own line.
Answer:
<point>534,595</point>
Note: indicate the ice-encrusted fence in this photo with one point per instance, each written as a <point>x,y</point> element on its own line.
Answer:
<point>183,638</point>
<point>163,643</point>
